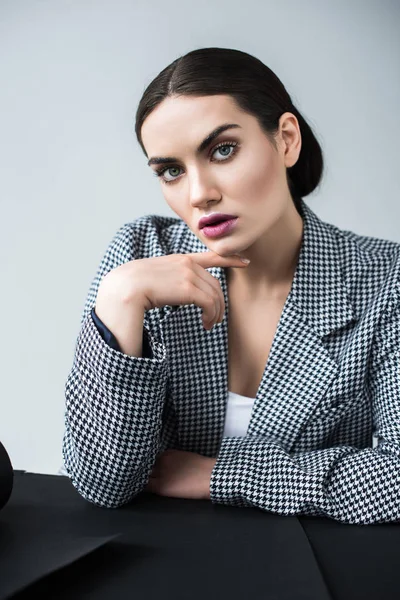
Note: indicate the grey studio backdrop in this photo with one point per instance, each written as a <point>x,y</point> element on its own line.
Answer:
<point>71,171</point>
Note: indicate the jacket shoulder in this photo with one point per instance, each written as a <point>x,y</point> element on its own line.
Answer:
<point>370,245</point>
<point>370,264</point>
<point>151,235</point>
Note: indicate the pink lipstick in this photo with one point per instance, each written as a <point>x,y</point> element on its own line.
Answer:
<point>222,228</point>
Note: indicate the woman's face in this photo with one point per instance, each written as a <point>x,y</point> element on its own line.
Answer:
<point>244,177</point>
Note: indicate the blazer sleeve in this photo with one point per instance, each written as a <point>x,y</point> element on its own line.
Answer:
<point>112,341</point>
<point>345,483</point>
<point>114,402</point>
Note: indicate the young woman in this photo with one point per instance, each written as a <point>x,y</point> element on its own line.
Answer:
<point>198,376</point>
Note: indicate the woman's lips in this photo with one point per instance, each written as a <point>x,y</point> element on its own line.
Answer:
<point>219,229</point>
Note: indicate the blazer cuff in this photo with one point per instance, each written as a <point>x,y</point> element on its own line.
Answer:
<point>111,340</point>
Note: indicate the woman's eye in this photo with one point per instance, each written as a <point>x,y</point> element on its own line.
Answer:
<point>222,147</point>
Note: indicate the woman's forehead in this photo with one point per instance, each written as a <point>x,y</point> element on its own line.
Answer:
<point>188,121</point>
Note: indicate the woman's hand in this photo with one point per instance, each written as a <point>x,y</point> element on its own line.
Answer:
<point>181,474</point>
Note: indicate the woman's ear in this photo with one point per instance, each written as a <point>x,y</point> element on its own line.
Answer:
<point>290,137</point>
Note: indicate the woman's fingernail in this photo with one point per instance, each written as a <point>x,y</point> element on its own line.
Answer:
<point>245,260</point>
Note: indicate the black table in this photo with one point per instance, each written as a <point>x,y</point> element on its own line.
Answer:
<point>55,544</point>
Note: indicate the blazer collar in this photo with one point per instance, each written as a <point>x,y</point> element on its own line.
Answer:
<point>318,290</point>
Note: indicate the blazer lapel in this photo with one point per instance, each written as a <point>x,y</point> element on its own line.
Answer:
<point>299,368</point>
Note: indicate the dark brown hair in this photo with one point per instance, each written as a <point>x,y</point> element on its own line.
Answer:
<point>256,90</point>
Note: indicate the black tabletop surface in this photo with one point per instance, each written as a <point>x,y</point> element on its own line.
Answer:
<point>55,544</point>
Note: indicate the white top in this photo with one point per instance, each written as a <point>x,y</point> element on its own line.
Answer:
<point>237,417</point>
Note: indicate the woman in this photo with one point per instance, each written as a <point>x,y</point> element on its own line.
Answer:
<point>281,417</point>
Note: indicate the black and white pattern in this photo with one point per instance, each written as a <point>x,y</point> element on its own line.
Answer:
<point>332,380</point>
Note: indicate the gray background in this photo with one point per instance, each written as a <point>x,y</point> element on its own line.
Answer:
<point>72,172</point>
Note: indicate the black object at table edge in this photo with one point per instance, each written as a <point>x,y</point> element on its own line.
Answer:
<point>6,477</point>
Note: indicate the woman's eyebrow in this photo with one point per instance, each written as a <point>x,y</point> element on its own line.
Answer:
<point>156,160</point>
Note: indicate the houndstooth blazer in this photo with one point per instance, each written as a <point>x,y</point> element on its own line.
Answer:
<point>331,381</point>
